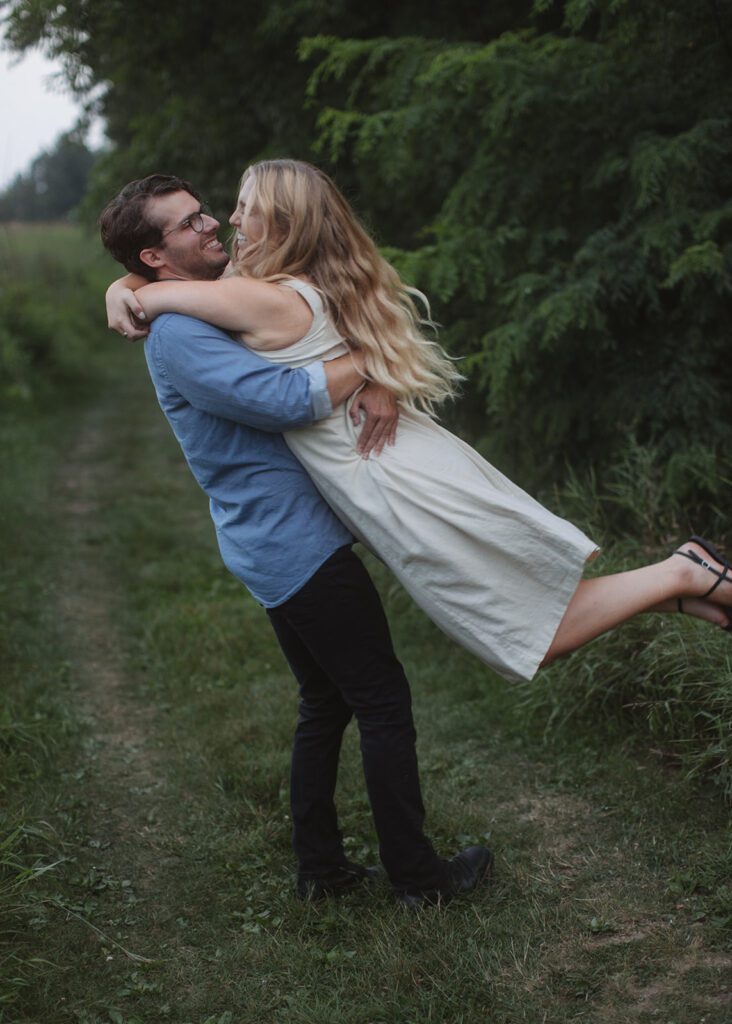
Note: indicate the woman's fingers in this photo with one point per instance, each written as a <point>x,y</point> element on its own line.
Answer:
<point>125,314</point>
<point>135,333</point>
<point>129,329</point>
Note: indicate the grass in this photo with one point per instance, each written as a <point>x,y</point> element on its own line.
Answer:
<point>36,722</point>
<point>667,678</point>
<point>52,277</point>
<point>36,250</point>
<point>611,890</point>
<point>146,874</point>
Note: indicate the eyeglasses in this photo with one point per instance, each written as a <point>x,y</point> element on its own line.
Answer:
<point>194,221</point>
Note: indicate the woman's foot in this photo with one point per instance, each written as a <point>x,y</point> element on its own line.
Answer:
<point>697,608</point>
<point>705,571</point>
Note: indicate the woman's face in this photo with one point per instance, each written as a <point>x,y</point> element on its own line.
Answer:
<point>246,218</point>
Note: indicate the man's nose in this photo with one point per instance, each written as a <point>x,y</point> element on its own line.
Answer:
<point>210,223</point>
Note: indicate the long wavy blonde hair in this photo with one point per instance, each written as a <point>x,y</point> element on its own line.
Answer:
<point>309,229</point>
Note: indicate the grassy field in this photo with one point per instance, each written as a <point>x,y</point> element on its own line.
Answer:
<point>28,249</point>
<point>145,869</point>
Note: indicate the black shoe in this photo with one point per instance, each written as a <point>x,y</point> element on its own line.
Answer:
<point>337,882</point>
<point>465,871</point>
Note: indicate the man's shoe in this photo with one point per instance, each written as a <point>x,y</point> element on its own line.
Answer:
<point>337,882</point>
<point>465,871</point>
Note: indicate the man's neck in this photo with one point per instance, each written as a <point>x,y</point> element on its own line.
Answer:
<point>176,277</point>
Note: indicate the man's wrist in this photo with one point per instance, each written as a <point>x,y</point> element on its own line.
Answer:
<point>344,376</point>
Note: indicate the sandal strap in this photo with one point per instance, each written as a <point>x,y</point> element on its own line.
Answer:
<point>722,576</point>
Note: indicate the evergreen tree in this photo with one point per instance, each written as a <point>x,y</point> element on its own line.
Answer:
<point>54,184</point>
<point>202,88</point>
<point>579,236</point>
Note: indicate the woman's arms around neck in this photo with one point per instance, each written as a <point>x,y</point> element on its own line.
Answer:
<point>374,409</point>
<point>267,316</point>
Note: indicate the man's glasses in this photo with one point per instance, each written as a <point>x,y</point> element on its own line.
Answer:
<point>194,221</point>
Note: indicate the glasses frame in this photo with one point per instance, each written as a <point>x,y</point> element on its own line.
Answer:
<point>194,221</point>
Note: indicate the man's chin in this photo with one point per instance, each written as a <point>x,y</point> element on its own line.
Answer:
<point>216,267</point>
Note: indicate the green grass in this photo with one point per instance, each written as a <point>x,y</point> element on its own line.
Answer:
<point>51,281</point>
<point>145,871</point>
<point>30,250</point>
<point>667,678</point>
<point>611,889</point>
<point>38,722</point>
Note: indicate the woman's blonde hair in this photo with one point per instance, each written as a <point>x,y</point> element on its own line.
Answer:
<point>309,229</point>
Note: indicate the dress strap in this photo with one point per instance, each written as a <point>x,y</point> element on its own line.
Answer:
<point>308,292</point>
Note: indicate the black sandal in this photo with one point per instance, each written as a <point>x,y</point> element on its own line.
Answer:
<point>726,575</point>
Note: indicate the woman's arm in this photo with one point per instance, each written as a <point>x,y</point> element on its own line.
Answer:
<point>268,316</point>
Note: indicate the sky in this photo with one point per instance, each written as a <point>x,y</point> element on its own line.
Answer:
<point>33,111</point>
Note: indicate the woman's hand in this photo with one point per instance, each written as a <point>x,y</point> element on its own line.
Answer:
<point>124,313</point>
<point>382,416</point>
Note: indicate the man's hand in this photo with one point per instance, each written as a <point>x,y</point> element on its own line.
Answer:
<point>124,313</point>
<point>382,415</point>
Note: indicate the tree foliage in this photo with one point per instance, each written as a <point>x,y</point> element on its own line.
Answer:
<point>54,184</point>
<point>555,175</point>
<point>579,236</point>
<point>202,87</point>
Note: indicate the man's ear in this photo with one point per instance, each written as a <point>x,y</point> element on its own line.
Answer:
<point>151,258</point>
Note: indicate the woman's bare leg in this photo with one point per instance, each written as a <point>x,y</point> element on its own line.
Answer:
<point>604,602</point>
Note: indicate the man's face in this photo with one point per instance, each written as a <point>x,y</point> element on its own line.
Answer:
<point>185,252</point>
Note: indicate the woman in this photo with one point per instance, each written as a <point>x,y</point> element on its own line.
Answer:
<point>491,566</point>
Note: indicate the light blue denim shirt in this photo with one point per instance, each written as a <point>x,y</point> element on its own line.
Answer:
<point>227,406</point>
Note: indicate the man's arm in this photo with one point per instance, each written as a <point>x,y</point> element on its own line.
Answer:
<point>219,376</point>
<point>216,375</point>
<point>343,376</point>
<point>375,409</point>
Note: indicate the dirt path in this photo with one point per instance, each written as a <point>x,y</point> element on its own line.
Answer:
<point>126,773</point>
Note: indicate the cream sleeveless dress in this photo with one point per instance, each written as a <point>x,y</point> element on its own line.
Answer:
<point>491,566</point>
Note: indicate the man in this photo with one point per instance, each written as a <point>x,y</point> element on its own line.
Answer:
<point>227,406</point>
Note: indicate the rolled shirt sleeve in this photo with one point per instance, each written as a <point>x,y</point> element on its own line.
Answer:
<point>219,376</point>
<point>319,396</point>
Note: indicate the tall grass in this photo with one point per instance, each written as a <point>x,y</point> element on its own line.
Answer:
<point>51,279</point>
<point>666,679</point>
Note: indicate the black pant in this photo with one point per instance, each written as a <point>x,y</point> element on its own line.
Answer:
<point>336,639</point>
